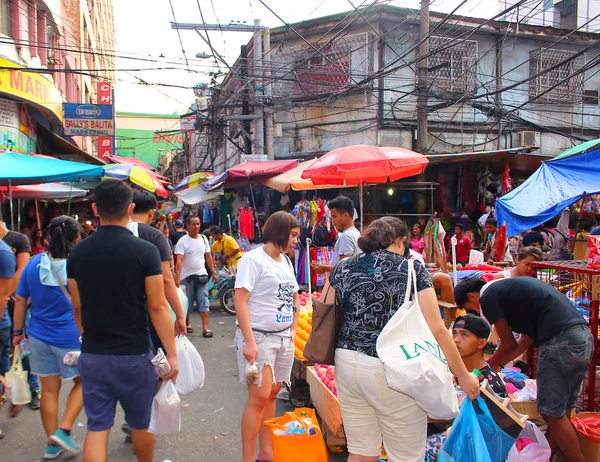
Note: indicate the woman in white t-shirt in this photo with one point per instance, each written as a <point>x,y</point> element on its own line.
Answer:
<point>525,259</point>
<point>266,304</point>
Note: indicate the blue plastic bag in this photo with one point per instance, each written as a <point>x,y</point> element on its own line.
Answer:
<point>475,437</point>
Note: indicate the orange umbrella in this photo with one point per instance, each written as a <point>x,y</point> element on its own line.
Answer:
<point>360,164</point>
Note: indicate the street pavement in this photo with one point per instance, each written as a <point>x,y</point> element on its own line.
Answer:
<point>210,423</point>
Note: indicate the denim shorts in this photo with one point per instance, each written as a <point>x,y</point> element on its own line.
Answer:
<point>562,365</point>
<point>274,350</point>
<point>198,293</point>
<point>47,360</point>
<point>110,379</point>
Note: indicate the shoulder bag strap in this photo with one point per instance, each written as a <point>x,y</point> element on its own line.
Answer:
<point>62,286</point>
<point>409,272</point>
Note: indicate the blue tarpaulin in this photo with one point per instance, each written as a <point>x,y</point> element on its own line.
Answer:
<point>557,184</point>
<point>20,169</point>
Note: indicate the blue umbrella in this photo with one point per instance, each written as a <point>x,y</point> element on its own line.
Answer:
<point>22,169</point>
<point>19,169</point>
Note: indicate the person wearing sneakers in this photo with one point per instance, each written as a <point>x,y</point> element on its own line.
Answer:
<point>52,332</point>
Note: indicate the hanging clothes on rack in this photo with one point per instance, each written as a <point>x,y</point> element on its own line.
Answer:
<point>226,208</point>
<point>247,222</point>
<point>435,250</point>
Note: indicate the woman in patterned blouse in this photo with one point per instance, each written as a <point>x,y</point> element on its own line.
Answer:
<point>370,287</point>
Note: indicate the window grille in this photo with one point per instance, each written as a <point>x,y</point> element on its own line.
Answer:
<point>452,65</point>
<point>562,83</point>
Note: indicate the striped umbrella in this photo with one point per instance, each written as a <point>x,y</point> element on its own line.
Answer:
<point>193,180</point>
<point>137,175</point>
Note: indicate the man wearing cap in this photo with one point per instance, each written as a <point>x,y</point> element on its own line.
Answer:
<point>178,233</point>
<point>470,334</point>
<point>547,319</point>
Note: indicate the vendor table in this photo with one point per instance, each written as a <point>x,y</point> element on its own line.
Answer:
<point>581,285</point>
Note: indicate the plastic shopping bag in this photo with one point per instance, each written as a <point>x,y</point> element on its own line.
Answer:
<point>534,446</point>
<point>413,361</point>
<point>166,411</point>
<point>475,437</point>
<point>297,437</point>
<point>183,300</point>
<point>17,388</point>
<point>191,367</point>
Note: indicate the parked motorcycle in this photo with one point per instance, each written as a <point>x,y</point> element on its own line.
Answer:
<point>226,290</point>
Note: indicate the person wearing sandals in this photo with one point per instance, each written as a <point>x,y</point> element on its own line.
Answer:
<point>266,301</point>
<point>52,333</point>
<point>191,272</point>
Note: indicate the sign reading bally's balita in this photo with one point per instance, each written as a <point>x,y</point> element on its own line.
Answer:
<point>88,119</point>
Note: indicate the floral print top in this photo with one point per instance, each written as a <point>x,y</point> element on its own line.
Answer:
<point>370,288</point>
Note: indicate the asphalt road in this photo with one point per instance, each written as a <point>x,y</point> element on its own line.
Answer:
<point>210,416</point>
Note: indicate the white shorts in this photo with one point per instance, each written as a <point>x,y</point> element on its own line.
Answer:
<point>372,412</point>
<point>274,350</point>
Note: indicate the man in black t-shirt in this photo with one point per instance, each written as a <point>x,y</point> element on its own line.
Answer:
<point>145,205</point>
<point>547,319</point>
<point>470,334</point>
<point>116,284</point>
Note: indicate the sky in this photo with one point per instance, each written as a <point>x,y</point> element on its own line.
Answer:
<point>150,52</point>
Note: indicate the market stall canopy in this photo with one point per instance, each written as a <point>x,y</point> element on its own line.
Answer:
<point>46,192</point>
<point>193,180</point>
<point>292,179</point>
<point>522,159</point>
<point>359,164</point>
<point>241,174</point>
<point>22,169</point>
<point>557,184</point>
<point>137,175</point>
<point>197,195</point>
<point>135,161</point>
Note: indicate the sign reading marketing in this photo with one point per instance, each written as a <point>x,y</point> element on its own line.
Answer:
<point>88,119</point>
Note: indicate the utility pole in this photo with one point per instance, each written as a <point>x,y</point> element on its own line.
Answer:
<point>259,110</point>
<point>268,113</point>
<point>245,100</point>
<point>422,85</point>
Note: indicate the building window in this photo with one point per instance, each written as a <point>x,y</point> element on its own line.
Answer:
<point>5,17</point>
<point>303,72</point>
<point>452,65</point>
<point>557,83</point>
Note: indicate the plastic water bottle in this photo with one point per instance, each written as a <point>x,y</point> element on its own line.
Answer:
<point>308,421</point>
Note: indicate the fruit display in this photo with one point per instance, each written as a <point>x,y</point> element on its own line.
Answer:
<point>326,375</point>
<point>304,323</point>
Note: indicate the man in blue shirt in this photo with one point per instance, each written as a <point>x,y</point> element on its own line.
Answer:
<point>8,265</point>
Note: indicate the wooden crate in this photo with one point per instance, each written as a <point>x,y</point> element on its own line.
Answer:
<point>326,404</point>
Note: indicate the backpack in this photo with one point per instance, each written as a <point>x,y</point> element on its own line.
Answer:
<point>319,236</point>
<point>304,235</point>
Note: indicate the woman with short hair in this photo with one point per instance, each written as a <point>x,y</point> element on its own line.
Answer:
<point>370,288</point>
<point>524,267</point>
<point>52,332</point>
<point>266,305</point>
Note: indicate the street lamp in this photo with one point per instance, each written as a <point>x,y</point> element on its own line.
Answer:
<point>203,55</point>
<point>200,90</point>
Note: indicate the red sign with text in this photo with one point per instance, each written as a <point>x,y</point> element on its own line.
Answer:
<point>104,147</point>
<point>104,93</point>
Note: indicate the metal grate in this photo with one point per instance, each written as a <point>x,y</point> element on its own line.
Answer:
<point>452,69</point>
<point>301,72</point>
<point>560,84</point>
<point>581,286</point>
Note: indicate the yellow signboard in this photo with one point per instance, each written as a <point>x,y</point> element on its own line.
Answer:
<point>30,86</point>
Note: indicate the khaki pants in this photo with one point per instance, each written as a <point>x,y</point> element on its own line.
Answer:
<point>372,412</point>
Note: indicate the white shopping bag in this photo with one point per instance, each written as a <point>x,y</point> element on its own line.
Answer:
<point>534,452</point>
<point>476,257</point>
<point>191,367</point>
<point>413,361</point>
<point>183,300</point>
<point>166,411</point>
<point>17,388</point>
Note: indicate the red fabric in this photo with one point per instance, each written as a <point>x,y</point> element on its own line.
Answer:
<point>463,247</point>
<point>353,165</point>
<point>483,267</point>
<point>253,169</point>
<point>247,223</point>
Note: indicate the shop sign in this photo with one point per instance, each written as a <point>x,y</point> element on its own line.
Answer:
<point>30,86</point>
<point>105,146</point>
<point>187,124</point>
<point>255,158</point>
<point>9,113</point>
<point>84,127</point>
<point>103,92</point>
<point>88,111</point>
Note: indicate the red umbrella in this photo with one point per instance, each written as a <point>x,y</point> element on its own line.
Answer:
<point>360,164</point>
<point>354,165</point>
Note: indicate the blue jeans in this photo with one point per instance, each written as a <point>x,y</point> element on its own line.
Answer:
<point>562,364</point>
<point>196,292</point>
